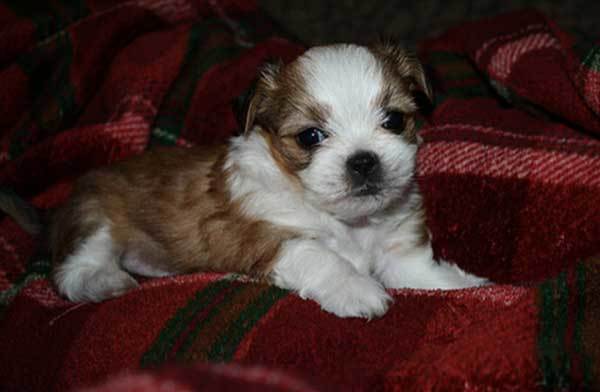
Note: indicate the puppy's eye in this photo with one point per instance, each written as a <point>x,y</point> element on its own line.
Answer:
<point>311,137</point>
<point>394,121</point>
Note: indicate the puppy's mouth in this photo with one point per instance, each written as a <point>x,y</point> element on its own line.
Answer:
<point>366,190</point>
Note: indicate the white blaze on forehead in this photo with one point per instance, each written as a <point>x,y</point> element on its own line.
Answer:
<point>349,80</point>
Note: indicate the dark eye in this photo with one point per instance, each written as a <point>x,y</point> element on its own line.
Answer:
<point>394,120</point>
<point>310,137</point>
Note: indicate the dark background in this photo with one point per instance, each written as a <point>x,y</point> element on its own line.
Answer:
<point>317,22</point>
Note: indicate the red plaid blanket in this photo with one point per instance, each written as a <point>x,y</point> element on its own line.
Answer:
<point>510,170</point>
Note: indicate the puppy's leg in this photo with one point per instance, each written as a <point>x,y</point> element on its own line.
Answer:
<point>417,269</point>
<point>91,272</point>
<point>316,272</point>
<point>137,263</point>
<point>144,256</point>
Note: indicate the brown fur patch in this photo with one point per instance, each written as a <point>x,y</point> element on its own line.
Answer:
<point>419,227</point>
<point>424,237</point>
<point>172,207</point>
<point>288,155</point>
<point>405,75</point>
<point>281,109</point>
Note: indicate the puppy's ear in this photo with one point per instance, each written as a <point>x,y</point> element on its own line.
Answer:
<point>258,99</point>
<point>407,66</point>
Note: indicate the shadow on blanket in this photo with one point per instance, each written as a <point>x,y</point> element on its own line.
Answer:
<point>510,170</point>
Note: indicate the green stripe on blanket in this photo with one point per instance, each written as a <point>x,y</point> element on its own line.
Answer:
<point>565,345</point>
<point>198,60</point>
<point>38,268</point>
<point>214,322</point>
<point>460,77</point>
<point>592,59</point>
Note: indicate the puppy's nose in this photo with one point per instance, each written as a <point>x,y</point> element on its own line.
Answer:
<point>363,166</point>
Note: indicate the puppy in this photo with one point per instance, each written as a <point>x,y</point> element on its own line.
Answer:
<point>318,195</point>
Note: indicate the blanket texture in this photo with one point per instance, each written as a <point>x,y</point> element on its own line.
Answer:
<point>509,168</point>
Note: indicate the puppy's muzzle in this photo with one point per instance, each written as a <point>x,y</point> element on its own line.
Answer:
<point>365,173</point>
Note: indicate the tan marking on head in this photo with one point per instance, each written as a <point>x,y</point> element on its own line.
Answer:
<point>405,75</point>
<point>287,154</point>
<point>423,236</point>
<point>404,64</point>
<point>280,109</point>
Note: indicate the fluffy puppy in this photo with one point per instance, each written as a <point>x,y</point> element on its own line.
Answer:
<point>318,195</point>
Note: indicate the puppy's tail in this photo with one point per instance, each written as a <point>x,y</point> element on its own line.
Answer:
<point>25,214</point>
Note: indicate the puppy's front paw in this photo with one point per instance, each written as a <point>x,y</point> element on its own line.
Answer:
<point>461,278</point>
<point>356,296</point>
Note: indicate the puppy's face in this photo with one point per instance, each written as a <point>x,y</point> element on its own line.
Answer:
<point>340,122</point>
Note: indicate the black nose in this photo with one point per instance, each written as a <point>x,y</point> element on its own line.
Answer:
<point>363,167</point>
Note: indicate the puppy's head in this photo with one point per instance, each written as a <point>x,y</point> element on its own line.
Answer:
<point>340,121</point>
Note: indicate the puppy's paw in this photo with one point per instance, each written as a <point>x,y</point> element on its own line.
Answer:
<point>418,270</point>
<point>460,279</point>
<point>92,284</point>
<point>109,284</point>
<point>356,296</point>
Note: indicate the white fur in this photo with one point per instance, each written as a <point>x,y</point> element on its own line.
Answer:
<point>317,272</point>
<point>137,263</point>
<point>417,269</point>
<point>350,248</point>
<point>92,272</point>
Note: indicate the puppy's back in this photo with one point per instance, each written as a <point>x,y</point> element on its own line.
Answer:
<point>165,212</point>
